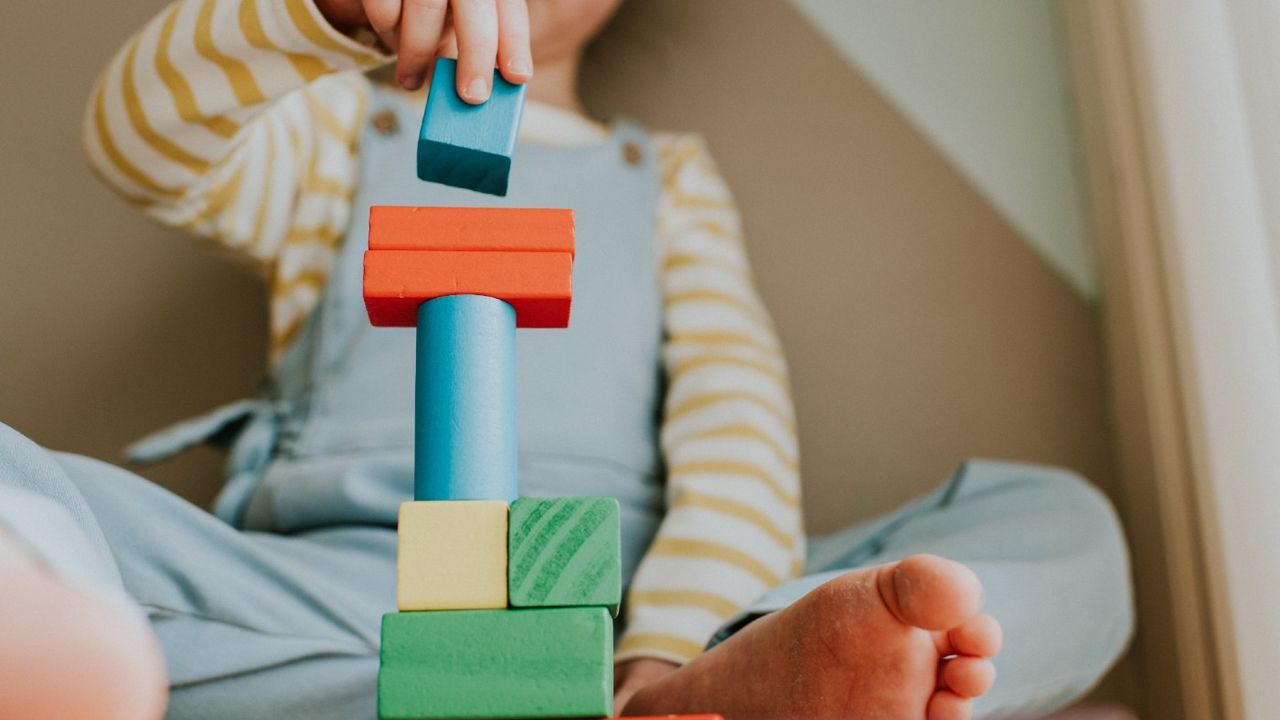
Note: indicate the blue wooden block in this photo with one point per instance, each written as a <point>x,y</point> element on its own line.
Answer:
<point>464,145</point>
<point>465,426</point>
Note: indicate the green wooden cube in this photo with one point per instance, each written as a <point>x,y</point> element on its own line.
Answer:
<point>538,663</point>
<point>564,552</point>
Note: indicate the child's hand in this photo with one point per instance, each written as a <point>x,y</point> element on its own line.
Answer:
<point>634,675</point>
<point>485,32</point>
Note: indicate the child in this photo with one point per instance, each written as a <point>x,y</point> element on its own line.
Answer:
<point>252,123</point>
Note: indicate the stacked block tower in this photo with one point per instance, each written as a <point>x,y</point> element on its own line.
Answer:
<point>505,605</point>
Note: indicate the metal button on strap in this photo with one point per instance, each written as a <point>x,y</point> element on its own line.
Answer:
<point>384,121</point>
<point>632,153</point>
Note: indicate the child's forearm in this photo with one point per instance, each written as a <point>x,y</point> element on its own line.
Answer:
<point>733,527</point>
<point>192,97</point>
<point>173,101</point>
<point>232,119</point>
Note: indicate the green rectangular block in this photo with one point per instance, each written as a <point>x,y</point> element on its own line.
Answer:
<point>564,552</point>
<point>539,663</point>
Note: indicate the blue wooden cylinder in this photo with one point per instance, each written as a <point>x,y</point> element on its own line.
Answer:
<point>465,425</point>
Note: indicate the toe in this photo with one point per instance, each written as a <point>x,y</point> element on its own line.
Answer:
<point>968,677</point>
<point>979,636</point>
<point>930,592</point>
<point>946,705</point>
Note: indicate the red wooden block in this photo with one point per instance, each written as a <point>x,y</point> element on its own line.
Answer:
<point>539,285</point>
<point>470,228</point>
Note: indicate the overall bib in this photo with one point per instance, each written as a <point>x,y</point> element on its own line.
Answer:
<point>338,441</point>
<point>275,612</point>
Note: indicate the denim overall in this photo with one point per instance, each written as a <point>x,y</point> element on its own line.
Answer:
<point>279,618</point>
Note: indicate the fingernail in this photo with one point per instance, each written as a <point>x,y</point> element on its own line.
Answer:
<point>478,89</point>
<point>520,67</point>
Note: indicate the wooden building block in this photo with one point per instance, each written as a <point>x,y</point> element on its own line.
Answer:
<point>564,552</point>
<point>464,145</point>
<point>539,285</point>
<point>465,445</point>
<point>452,554</point>
<point>543,663</point>
<point>394,227</point>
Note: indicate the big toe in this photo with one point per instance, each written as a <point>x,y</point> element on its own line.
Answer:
<point>930,592</point>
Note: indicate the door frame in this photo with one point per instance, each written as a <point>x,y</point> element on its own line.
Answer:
<point>1192,329</point>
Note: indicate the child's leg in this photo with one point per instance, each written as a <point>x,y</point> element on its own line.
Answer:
<point>1051,557</point>
<point>252,625</point>
<point>870,634</point>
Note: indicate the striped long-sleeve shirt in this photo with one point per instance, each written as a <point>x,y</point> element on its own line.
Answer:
<point>239,121</point>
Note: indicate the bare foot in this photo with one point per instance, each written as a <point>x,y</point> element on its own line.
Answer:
<point>67,654</point>
<point>896,642</point>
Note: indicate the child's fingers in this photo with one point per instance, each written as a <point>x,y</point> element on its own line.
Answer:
<point>475,23</point>
<point>448,47</point>
<point>515,59</point>
<point>384,18</point>
<point>421,24</point>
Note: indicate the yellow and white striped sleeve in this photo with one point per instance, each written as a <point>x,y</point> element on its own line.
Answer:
<point>237,120</point>
<point>733,528</point>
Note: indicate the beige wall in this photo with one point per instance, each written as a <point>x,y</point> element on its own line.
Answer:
<point>109,325</point>
<point>920,327</point>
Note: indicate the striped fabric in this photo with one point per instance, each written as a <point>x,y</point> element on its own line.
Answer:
<point>235,120</point>
<point>733,528</point>
<point>238,120</point>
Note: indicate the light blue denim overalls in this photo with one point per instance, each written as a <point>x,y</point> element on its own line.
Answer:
<point>280,619</point>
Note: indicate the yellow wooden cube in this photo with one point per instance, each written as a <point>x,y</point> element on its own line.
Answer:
<point>453,555</point>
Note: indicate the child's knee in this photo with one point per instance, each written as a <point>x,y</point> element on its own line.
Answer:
<point>1090,521</point>
<point>1066,493</point>
<point>1083,502</point>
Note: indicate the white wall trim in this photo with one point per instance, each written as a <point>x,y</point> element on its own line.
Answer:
<point>1220,258</point>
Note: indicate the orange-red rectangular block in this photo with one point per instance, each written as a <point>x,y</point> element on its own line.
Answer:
<point>539,285</point>
<point>469,228</point>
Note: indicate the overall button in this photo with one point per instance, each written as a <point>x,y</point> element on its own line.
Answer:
<point>632,153</point>
<point>384,121</point>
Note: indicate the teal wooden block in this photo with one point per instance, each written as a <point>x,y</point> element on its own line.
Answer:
<point>539,663</point>
<point>465,427</point>
<point>464,145</point>
<point>564,552</point>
